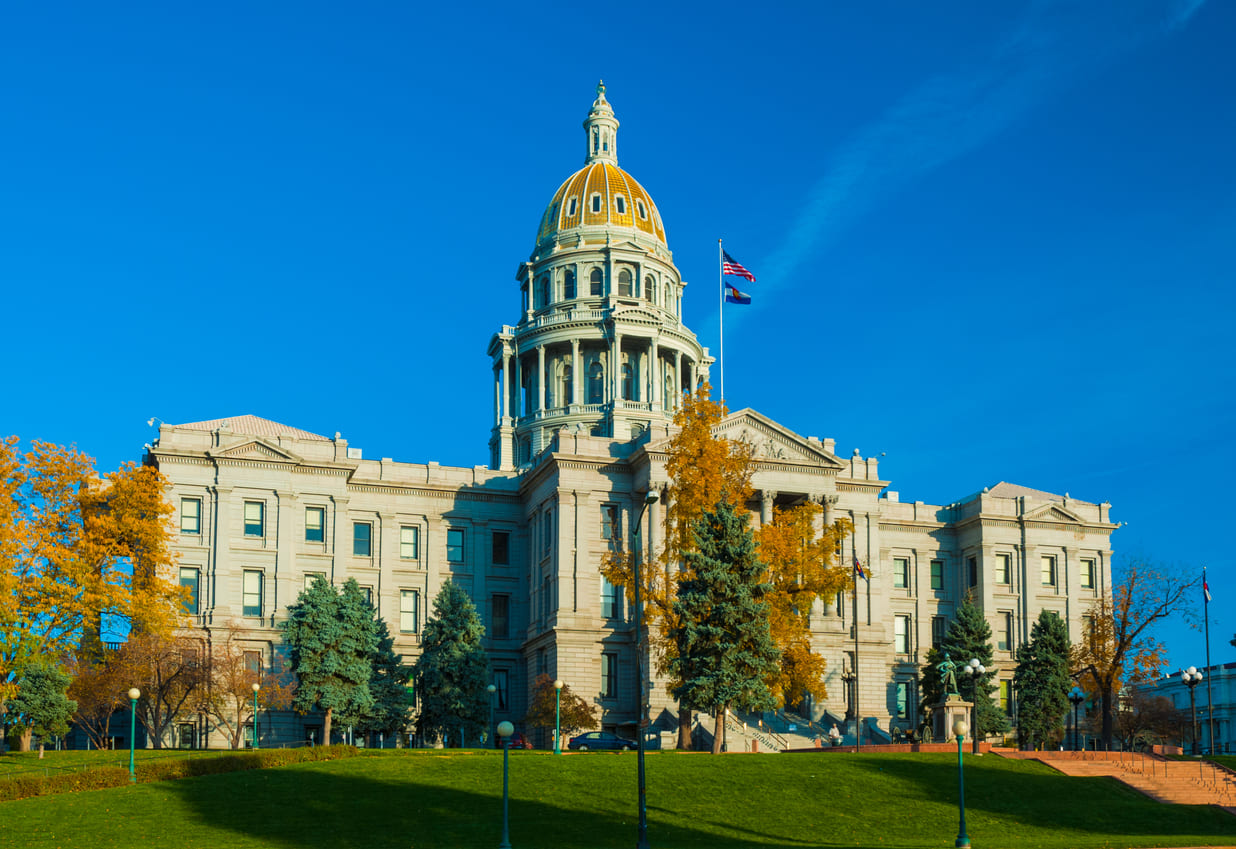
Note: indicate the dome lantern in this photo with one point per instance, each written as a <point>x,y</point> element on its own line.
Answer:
<point>601,130</point>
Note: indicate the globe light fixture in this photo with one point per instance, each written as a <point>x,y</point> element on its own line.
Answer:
<point>1191,678</point>
<point>134,695</point>
<point>491,689</point>
<point>974,670</point>
<point>256,687</point>
<point>959,731</point>
<point>1076,697</point>
<point>505,730</point>
<point>557,716</point>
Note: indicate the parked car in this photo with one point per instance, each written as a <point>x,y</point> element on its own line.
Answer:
<point>517,741</point>
<point>600,740</point>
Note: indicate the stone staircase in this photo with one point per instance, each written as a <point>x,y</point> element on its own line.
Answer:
<point>1175,782</point>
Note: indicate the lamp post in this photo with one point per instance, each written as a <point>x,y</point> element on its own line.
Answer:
<point>256,687</point>
<point>557,716</point>
<point>1191,678</point>
<point>134,695</point>
<point>505,730</point>
<point>491,689</point>
<point>974,670</point>
<point>959,729</point>
<point>641,841</point>
<point>1076,696</point>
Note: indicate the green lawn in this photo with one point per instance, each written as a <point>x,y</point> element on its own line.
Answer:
<point>27,763</point>
<point>452,800</point>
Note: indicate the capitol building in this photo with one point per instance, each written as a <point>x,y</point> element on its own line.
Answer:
<point>586,381</point>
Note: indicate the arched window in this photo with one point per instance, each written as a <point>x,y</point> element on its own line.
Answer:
<point>596,282</point>
<point>543,293</point>
<point>568,394</point>
<point>650,289</point>
<point>624,283</point>
<point>596,384</point>
<point>568,285</point>
<point>628,382</point>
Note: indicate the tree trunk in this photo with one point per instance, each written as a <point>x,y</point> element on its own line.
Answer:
<point>40,748</point>
<point>685,743</point>
<point>23,742</point>
<point>326,727</point>
<point>1106,702</point>
<point>718,730</point>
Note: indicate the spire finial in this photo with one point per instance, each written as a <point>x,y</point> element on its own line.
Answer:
<point>600,88</point>
<point>601,129</point>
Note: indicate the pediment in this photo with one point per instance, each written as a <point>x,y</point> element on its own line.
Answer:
<point>1054,513</point>
<point>772,441</point>
<point>638,314</point>
<point>257,449</point>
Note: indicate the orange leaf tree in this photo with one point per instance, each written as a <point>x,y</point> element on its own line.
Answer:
<point>801,569</point>
<point>1119,644</point>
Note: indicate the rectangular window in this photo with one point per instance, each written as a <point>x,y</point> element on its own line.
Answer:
<point>362,539</point>
<point>901,634</point>
<point>255,519</point>
<point>310,577</point>
<point>500,617</point>
<point>501,548</point>
<point>1006,697</point>
<point>190,515</point>
<point>1087,574</point>
<point>937,574</point>
<point>609,675</point>
<point>902,699</point>
<point>547,532</point>
<point>611,525</point>
<point>1002,568</point>
<point>454,545</point>
<point>937,631</point>
<point>189,580</point>
<point>253,662</point>
<point>252,591</point>
<point>1004,632</point>
<point>547,596</point>
<point>409,611</point>
<point>1048,571</point>
<point>901,572</point>
<point>502,685</point>
<point>409,542</point>
<point>611,600</point>
<point>315,524</point>
<point>972,568</point>
<point>367,592</point>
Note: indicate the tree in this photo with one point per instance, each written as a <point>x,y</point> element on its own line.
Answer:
<point>388,684</point>
<point>169,674</point>
<point>78,553</point>
<point>576,713</point>
<point>968,638</point>
<point>98,687</point>
<point>801,569</point>
<point>704,469</point>
<point>227,697</point>
<point>452,671</point>
<point>1118,645</point>
<point>332,636</point>
<point>1041,681</point>
<point>41,705</point>
<point>724,652</point>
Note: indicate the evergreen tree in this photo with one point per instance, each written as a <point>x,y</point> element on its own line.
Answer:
<point>333,637</point>
<point>724,651</point>
<point>452,671</point>
<point>41,705</point>
<point>968,637</point>
<point>388,684</point>
<point>1041,681</point>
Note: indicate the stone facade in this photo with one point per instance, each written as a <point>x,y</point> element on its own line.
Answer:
<point>1219,683</point>
<point>585,387</point>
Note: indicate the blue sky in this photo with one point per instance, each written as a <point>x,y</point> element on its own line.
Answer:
<point>994,240</point>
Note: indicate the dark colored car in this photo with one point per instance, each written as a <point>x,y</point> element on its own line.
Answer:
<point>600,740</point>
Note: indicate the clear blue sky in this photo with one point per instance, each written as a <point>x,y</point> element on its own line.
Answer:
<point>993,240</point>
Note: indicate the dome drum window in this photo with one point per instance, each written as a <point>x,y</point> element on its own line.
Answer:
<point>596,203</point>
<point>624,283</point>
<point>596,282</point>
<point>568,286</point>
<point>572,205</point>
<point>643,210</point>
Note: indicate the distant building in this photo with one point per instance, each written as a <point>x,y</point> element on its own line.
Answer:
<point>1222,687</point>
<point>585,385</point>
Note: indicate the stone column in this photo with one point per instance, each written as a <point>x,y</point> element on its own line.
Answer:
<point>577,374</point>
<point>497,397</point>
<point>616,366</point>
<point>654,366</point>
<point>519,383</point>
<point>540,378</point>
<point>677,377</point>
<point>506,384</point>
<point>767,497</point>
<point>691,369</point>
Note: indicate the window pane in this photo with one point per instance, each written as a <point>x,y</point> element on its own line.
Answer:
<point>455,545</point>
<point>1049,571</point>
<point>408,613</point>
<point>1002,568</point>
<point>252,591</point>
<point>1087,574</point>
<point>310,577</point>
<point>500,620</point>
<point>502,683</point>
<point>409,542</point>
<point>501,548</point>
<point>937,574</point>
<point>361,539</point>
<point>189,579</point>
<point>901,572</point>
<point>190,516</point>
<point>255,518</point>
<point>609,676</point>
<point>315,524</point>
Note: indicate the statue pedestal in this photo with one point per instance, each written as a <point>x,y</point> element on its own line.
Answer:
<point>943,714</point>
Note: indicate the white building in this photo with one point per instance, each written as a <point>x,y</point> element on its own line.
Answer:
<point>585,386</point>
<point>1218,682</point>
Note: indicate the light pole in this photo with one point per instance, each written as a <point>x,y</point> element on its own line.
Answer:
<point>256,687</point>
<point>557,716</point>
<point>641,841</point>
<point>134,695</point>
<point>959,729</point>
<point>491,689</point>
<point>974,670</point>
<point>1076,696</point>
<point>505,730</point>
<point>1191,678</point>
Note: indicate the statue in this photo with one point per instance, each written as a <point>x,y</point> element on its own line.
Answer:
<point>948,674</point>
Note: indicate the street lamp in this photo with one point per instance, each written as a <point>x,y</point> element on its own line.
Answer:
<point>256,687</point>
<point>959,729</point>
<point>1076,696</point>
<point>505,730</point>
<point>557,716</point>
<point>134,695</point>
<point>974,670</point>
<point>491,689</point>
<point>641,841</point>
<point>1191,678</point>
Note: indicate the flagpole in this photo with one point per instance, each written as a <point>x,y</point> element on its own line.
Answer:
<point>721,311</point>
<point>1210,702</point>
<point>858,715</point>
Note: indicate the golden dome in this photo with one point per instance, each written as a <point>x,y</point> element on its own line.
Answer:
<point>604,196</point>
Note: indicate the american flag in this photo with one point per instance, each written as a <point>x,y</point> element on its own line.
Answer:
<point>730,266</point>
<point>1206,590</point>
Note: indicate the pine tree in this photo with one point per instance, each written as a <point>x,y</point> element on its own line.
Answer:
<point>724,651</point>
<point>41,705</point>
<point>968,638</point>
<point>388,683</point>
<point>332,636</point>
<point>1041,681</point>
<point>452,671</point>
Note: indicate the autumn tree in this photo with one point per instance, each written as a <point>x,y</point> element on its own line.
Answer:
<point>704,470</point>
<point>1118,644</point>
<point>452,671</point>
<point>576,713</point>
<point>724,652</point>
<point>1041,681</point>
<point>170,675</point>
<point>41,706</point>
<point>1143,719</point>
<point>232,668</point>
<point>99,688</point>
<point>801,570</point>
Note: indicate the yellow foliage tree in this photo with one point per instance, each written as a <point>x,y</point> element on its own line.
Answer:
<point>801,569</point>
<point>1118,645</point>
<point>77,549</point>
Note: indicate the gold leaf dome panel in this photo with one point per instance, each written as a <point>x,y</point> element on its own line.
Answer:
<point>601,195</point>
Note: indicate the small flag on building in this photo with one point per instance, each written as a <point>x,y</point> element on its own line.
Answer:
<point>730,266</point>
<point>858,567</point>
<point>733,296</point>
